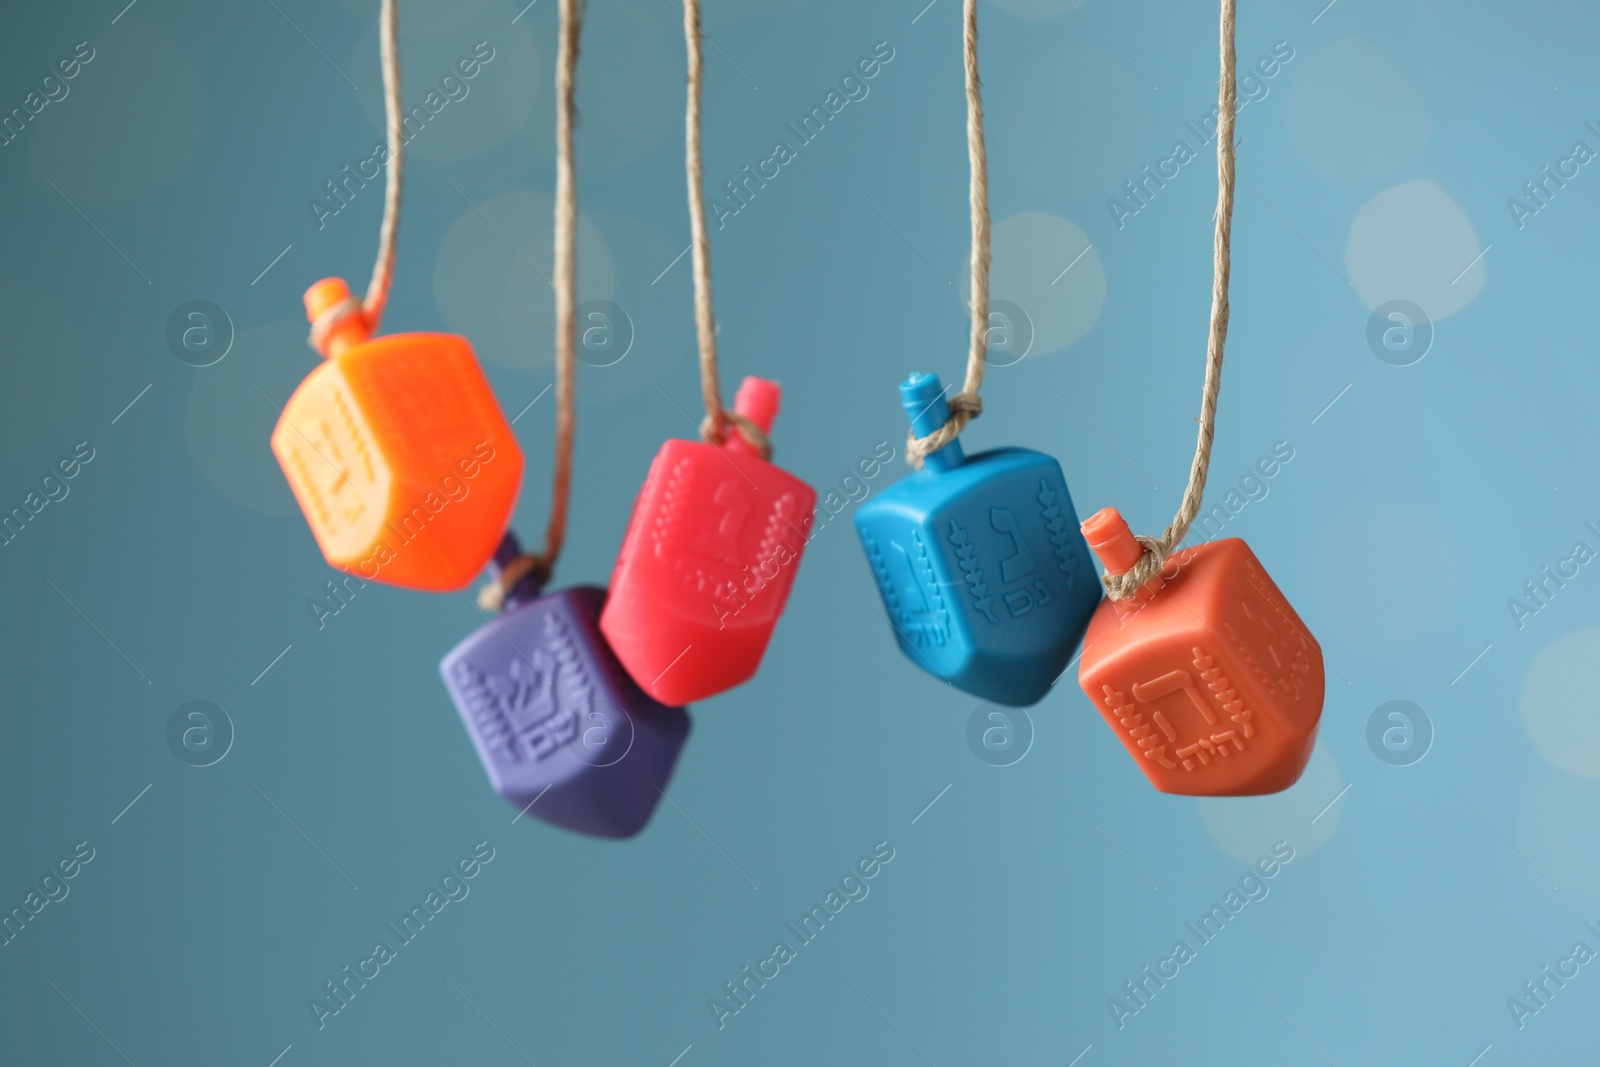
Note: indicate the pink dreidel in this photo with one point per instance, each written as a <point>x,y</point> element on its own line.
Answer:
<point>707,561</point>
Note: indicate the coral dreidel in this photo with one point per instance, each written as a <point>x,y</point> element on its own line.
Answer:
<point>984,575</point>
<point>397,451</point>
<point>1196,660</point>
<point>1207,676</point>
<point>707,561</point>
<point>554,717</point>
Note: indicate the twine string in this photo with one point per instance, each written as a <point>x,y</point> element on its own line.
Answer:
<point>1156,549</point>
<point>714,427</point>
<point>377,297</point>
<point>966,405</point>
<point>370,309</point>
<point>563,280</point>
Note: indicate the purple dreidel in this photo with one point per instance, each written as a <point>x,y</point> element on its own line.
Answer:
<point>555,718</point>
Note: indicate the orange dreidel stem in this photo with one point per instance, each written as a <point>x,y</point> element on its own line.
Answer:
<point>349,331</point>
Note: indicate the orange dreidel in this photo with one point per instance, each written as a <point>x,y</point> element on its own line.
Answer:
<point>1208,676</point>
<point>397,451</point>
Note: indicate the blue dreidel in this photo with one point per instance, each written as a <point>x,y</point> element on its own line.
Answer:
<point>984,573</point>
<point>555,718</point>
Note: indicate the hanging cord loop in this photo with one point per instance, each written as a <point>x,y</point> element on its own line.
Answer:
<point>563,281</point>
<point>371,308</point>
<point>965,405</point>
<point>714,427</point>
<point>1156,549</point>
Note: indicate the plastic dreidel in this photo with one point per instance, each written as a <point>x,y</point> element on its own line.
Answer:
<point>1208,677</point>
<point>984,575</point>
<point>556,719</point>
<point>398,453</point>
<point>708,560</point>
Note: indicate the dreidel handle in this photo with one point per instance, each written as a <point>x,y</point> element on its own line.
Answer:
<point>1108,534</point>
<point>523,590</point>
<point>923,399</point>
<point>757,400</point>
<point>347,332</point>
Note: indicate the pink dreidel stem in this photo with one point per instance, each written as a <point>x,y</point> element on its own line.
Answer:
<point>757,400</point>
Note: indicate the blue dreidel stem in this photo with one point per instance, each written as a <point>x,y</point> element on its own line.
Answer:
<point>528,587</point>
<point>923,398</point>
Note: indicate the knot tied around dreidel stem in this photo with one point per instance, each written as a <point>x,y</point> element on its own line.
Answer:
<point>964,407</point>
<point>755,406</point>
<point>519,576</point>
<point>338,320</point>
<point>1130,560</point>
<point>936,422</point>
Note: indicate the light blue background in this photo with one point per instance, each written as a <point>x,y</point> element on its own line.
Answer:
<point>1016,905</point>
